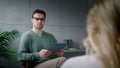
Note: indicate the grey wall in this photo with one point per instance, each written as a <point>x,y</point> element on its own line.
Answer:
<point>66,19</point>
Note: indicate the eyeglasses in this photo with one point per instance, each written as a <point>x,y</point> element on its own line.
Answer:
<point>37,19</point>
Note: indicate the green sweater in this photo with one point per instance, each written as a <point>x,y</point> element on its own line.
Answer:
<point>31,44</point>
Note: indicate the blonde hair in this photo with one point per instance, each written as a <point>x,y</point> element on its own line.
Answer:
<point>103,25</point>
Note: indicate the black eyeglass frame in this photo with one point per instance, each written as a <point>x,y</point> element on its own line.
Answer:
<point>42,19</point>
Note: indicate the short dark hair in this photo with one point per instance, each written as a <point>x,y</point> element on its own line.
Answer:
<point>39,11</point>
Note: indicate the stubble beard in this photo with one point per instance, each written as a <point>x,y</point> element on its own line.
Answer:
<point>39,27</point>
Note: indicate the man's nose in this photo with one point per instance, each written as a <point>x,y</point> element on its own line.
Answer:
<point>39,20</point>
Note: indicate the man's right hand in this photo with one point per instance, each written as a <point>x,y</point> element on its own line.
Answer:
<point>44,53</point>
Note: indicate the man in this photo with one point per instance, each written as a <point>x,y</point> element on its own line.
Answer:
<point>34,44</point>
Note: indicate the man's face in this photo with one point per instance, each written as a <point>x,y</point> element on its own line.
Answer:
<point>38,21</point>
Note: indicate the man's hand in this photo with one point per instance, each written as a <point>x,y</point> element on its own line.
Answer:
<point>60,53</point>
<point>45,53</point>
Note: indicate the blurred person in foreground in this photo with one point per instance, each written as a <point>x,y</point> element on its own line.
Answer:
<point>103,41</point>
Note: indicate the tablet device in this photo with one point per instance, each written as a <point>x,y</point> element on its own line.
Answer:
<point>55,48</point>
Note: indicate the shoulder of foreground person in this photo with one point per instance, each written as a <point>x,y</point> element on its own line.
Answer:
<point>85,61</point>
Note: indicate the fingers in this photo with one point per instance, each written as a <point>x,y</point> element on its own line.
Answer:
<point>45,53</point>
<point>59,54</point>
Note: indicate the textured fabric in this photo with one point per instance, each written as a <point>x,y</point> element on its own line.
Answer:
<point>53,63</point>
<point>31,44</point>
<point>82,62</point>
